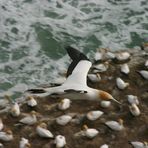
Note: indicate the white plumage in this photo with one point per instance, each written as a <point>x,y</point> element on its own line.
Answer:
<point>122,56</point>
<point>42,131</point>
<point>6,136</point>
<point>133,99</point>
<point>146,63</point>
<point>63,120</point>
<point>137,144</point>
<point>60,141</point>
<point>64,104</point>
<point>104,146</point>
<point>125,69</point>
<point>24,143</point>
<point>90,132</point>
<point>121,84</point>
<point>94,77</point>
<point>31,101</point>
<point>1,124</point>
<point>105,104</point>
<point>135,111</point>
<point>117,126</point>
<point>30,119</point>
<point>144,74</point>
<point>15,110</point>
<point>94,115</point>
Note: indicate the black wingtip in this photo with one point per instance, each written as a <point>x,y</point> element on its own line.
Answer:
<point>75,54</point>
<point>36,91</point>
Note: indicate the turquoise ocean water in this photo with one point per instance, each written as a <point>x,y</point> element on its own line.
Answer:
<point>33,34</point>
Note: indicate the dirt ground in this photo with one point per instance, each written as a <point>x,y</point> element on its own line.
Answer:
<point>136,128</point>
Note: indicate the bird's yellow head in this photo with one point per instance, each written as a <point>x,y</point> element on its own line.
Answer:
<point>104,96</point>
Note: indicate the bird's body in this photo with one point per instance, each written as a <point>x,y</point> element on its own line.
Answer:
<point>75,87</point>
<point>42,131</point>
<point>6,136</point>
<point>29,119</point>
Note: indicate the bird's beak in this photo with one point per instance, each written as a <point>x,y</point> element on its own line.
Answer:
<point>116,100</point>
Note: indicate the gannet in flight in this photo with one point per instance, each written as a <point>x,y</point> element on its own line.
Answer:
<point>75,86</point>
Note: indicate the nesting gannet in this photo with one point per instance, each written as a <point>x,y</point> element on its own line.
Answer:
<point>15,110</point>
<point>121,84</point>
<point>29,119</point>
<point>64,104</point>
<point>135,111</point>
<point>105,104</point>
<point>42,131</point>
<point>63,120</point>
<point>75,86</point>
<point>94,77</point>
<point>60,141</point>
<point>31,101</point>
<point>90,132</point>
<point>104,146</point>
<point>94,115</point>
<point>122,56</point>
<point>125,69</point>
<point>6,136</point>
<point>87,132</point>
<point>133,99</point>
<point>98,56</point>
<point>24,143</point>
<point>146,63</point>
<point>137,144</point>
<point>101,67</point>
<point>1,124</point>
<point>117,126</point>
<point>144,74</point>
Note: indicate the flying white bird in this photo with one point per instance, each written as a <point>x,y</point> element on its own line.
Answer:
<point>75,86</point>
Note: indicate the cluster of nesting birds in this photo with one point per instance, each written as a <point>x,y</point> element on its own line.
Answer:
<point>42,130</point>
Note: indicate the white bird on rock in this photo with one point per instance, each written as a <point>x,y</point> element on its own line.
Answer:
<point>144,74</point>
<point>114,125</point>
<point>60,141</point>
<point>63,120</point>
<point>15,110</point>
<point>125,69</point>
<point>137,144</point>
<point>6,135</point>
<point>122,56</point>
<point>42,131</point>
<point>29,119</point>
<point>146,63</point>
<point>104,146</point>
<point>94,115</point>
<point>135,111</point>
<point>75,86</point>
<point>64,104</point>
<point>90,132</point>
<point>121,84</point>
<point>31,101</point>
<point>1,124</point>
<point>133,99</point>
<point>24,143</point>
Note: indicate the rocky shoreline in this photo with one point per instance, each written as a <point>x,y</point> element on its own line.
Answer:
<point>135,127</point>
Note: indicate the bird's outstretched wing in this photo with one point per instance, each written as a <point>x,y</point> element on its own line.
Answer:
<point>78,69</point>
